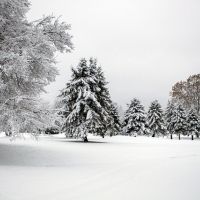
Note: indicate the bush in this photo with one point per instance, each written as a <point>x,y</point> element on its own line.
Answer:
<point>52,131</point>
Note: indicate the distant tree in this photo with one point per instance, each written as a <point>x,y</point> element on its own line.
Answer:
<point>179,122</point>
<point>187,93</point>
<point>169,112</point>
<point>192,124</point>
<point>155,119</point>
<point>27,62</point>
<point>135,119</point>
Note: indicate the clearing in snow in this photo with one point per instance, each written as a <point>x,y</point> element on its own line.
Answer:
<point>116,168</point>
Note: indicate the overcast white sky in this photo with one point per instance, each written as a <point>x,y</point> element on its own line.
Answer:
<point>144,46</point>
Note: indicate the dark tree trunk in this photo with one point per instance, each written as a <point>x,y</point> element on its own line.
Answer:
<point>8,133</point>
<point>197,135</point>
<point>85,139</point>
<point>171,136</point>
<point>192,137</point>
<point>153,135</point>
<point>179,136</point>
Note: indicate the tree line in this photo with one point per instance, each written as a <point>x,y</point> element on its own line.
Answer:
<point>86,107</point>
<point>28,65</point>
<point>174,120</point>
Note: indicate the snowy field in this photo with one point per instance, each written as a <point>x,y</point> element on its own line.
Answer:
<point>117,168</point>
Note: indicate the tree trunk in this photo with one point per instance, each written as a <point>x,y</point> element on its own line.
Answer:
<point>192,137</point>
<point>85,139</point>
<point>179,136</point>
<point>8,133</point>
<point>153,135</point>
<point>171,136</point>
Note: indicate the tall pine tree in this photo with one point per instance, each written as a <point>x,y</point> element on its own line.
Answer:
<point>113,126</point>
<point>87,104</point>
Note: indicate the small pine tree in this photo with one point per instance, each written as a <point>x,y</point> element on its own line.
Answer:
<point>192,123</point>
<point>155,119</point>
<point>134,119</point>
<point>168,117</point>
<point>179,124</point>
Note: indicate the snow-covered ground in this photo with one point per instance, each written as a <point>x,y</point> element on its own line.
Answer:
<point>117,168</point>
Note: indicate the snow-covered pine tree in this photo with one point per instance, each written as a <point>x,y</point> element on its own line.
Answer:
<point>83,112</point>
<point>65,101</point>
<point>192,123</point>
<point>113,125</point>
<point>155,119</point>
<point>102,94</point>
<point>170,109</point>
<point>179,122</point>
<point>27,62</point>
<point>135,119</point>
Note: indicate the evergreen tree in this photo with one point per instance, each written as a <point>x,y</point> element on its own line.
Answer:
<point>113,125</point>
<point>102,92</point>
<point>135,119</point>
<point>192,123</point>
<point>85,107</point>
<point>168,117</point>
<point>155,119</point>
<point>178,121</point>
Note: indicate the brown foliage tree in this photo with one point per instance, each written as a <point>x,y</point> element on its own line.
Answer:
<point>188,93</point>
